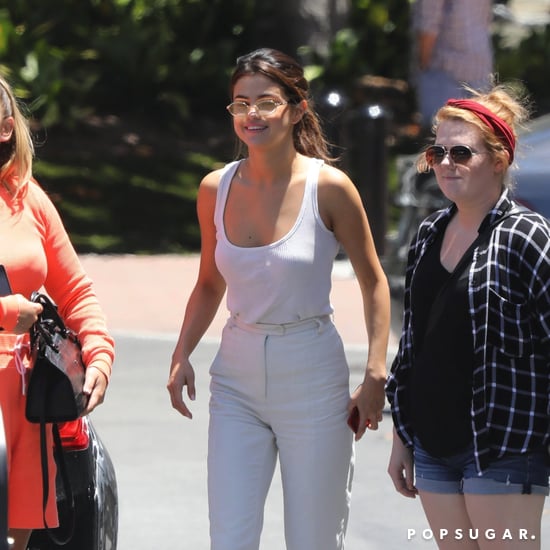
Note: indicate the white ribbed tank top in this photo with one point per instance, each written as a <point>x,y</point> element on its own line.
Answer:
<point>285,281</point>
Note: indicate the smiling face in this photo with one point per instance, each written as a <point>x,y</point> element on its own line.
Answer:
<point>479,180</point>
<point>267,130</point>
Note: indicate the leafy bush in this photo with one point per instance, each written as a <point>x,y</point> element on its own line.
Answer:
<point>160,68</point>
<point>73,58</point>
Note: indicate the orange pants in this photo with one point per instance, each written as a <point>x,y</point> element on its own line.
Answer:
<point>23,450</point>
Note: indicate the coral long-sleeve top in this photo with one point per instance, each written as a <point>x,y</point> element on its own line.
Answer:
<point>37,254</point>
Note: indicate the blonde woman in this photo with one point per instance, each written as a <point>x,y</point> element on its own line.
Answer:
<point>469,386</point>
<point>36,252</point>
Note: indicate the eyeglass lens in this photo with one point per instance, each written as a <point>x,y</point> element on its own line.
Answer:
<point>264,107</point>
<point>460,154</point>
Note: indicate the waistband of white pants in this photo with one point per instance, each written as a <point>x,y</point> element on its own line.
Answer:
<point>319,322</point>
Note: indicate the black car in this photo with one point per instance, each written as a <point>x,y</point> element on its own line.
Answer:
<point>93,482</point>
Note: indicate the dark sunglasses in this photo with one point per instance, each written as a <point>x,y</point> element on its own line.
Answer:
<point>460,154</point>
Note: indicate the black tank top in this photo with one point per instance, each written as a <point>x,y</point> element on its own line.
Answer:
<point>441,382</point>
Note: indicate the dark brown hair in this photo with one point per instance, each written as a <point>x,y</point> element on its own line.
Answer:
<point>285,71</point>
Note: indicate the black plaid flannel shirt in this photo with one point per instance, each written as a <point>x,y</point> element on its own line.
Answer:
<point>509,297</point>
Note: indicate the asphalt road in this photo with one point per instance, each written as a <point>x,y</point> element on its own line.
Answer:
<point>160,459</point>
<point>160,456</point>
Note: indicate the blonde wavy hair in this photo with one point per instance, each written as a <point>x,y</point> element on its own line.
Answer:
<point>16,154</point>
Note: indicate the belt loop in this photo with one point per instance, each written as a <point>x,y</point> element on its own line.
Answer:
<point>319,325</point>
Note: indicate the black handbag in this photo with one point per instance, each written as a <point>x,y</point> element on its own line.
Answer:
<point>55,390</point>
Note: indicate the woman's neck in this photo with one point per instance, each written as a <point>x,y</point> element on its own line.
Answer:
<point>470,215</point>
<point>269,168</point>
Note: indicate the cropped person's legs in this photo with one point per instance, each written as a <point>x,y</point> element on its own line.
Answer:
<point>449,520</point>
<point>484,522</point>
<point>241,447</point>
<point>317,472</point>
<point>507,521</point>
<point>505,504</point>
<point>502,508</point>
<point>241,462</point>
<point>309,392</point>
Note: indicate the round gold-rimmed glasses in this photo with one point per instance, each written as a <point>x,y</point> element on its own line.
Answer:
<point>262,108</point>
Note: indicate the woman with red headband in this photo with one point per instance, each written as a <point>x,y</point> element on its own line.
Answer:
<point>469,385</point>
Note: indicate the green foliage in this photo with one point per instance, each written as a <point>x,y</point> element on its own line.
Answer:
<point>120,192</point>
<point>376,42</point>
<point>171,58</point>
<point>528,62</point>
<point>76,63</point>
<point>77,57</point>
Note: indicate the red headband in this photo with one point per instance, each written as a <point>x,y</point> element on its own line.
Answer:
<point>501,128</point>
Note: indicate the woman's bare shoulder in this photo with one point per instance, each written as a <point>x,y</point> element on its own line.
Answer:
<point>212,179</point>
<point>210,183</point>
<point>333,180</point>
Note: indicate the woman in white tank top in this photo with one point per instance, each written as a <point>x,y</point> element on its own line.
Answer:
<point>271,226</point>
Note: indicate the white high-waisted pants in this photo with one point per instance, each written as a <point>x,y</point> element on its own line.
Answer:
<point>280,390</point>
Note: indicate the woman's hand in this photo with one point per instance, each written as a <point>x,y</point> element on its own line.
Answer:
<point>28,314</point>
<point>95,386</point>
<point>181,374</point>
<point>400,468</point>
<point>369,398</point>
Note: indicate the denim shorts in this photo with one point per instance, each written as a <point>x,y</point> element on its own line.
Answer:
<point>512,474</point>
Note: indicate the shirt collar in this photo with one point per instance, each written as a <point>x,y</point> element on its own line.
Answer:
<point>502,206</point>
